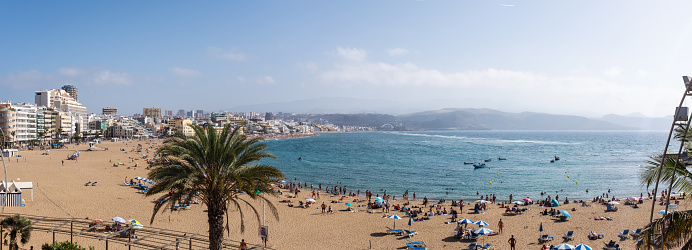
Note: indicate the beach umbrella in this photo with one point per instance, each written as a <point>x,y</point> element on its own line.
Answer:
<point>483,231</point>
<point>481,223</point>
<point>310,200</point>
<point>134,221</point>
<point>613,203</point>
<point>527,199</point>
<point>554,202</point>
<point>518,203</point>
<point>394,216</point>
<point>120,163</point>
<point>540,228</point>
<point>378,199</point>
<point>633,198</point>
<point>97,221</point>
<point>119,219</point>
<point>662,212</point>
<point>410,221</point>
<point>582,247</point>
<point>564,246</point>
<point>565,213</point>
<point>465,221</point>
<point>137,177</point>
<point>349,204</point>
<point>481,201</point>
<point>136,226</point>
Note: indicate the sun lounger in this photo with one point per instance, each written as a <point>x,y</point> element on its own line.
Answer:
<point>395,231</point>
<point>472,246</point>
<point>545,238</point>
<point>487,247</point>
<point>473,236</point>
<point>636,233</point>
<point>94,183</point>
<point>415,244</point>
<point>87,184</point>
<point>610,246</point>
<point>410,234</point>
<point>624,234</point>
<point>127,184</point>
<point>568,236</point>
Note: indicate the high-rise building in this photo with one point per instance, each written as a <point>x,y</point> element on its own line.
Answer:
<point>169,113</point>
<point>200,113</point>
<point>152,112</point>
<point>72,114</point>
<point>72,90</point>
<point>110,111</point>
<point>269,116</point>
<point>181,112</point>
<point>191,114</point>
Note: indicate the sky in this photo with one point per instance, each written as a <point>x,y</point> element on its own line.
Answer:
<point>587,58</point>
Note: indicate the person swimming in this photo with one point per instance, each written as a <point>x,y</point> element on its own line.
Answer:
<point>300,158</point>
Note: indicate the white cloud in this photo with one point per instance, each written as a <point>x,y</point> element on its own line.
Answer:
<point>506,5</point>
<point>311,66</point>
<point>70,71</point>
<point>612,72</point>
<point>265,80</point>
<point>185,72</point>
<point>30,79</point>
<point>229,55</point>
<point>106,77</point>
<point>352,54</point>
<point>397,51</point>
<point>241,79</point>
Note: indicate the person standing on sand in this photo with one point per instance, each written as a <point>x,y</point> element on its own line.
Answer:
<point>499,226</point>
<point>512,243</point>
<point>510,198</point>
<point>414,195</point>
<point>324,207</point>
<point>63,162</point>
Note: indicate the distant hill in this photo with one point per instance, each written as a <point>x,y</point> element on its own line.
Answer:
<point>338,105</point>
<point>639,121</point>
<point>497,120</point>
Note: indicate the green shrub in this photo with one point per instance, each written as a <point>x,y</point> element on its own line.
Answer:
<point>63,246</point>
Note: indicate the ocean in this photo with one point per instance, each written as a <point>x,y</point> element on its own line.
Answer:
<point>432,163</point>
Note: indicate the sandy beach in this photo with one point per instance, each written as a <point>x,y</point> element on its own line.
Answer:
<point>59,191</point>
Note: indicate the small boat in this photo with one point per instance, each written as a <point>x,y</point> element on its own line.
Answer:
<point>479,165</point>
<point>488,160</point>
<point>468,162</point>
<point>552,161</point>
<point>557,158</point>
<point>501,159</point>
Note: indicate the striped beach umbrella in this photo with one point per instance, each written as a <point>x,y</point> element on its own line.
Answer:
<point>484,231</point>
<point>582,247</point>
<point>465,221</point>
<point>518,203</point>
<point>564,246</point>
<point>481,223</point>
<point>394,216</point>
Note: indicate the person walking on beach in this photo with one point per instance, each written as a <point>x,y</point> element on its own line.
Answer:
<point>499,226</point>
<point>63,162</point>
<point>324,207</point>
<point>512,243</point>
<point>510,198</point>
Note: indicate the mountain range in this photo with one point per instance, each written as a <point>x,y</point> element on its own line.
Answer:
<point>358,112</point>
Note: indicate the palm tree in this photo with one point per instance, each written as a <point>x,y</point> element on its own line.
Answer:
<point>683,177</point>
<point>219,168</point>
<point>679,232</point>
<point>18,226</point>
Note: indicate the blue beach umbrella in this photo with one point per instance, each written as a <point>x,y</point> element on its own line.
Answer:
<point>582,247</point>
<point>481,223</point>
<point>394,216</point>
<point>349,204</point>
<point>465,221</point>
<point>483,231</point>
<point>540,228</point>
<point>378,199</point>
<point>565,213</point>
<point>554,203</point>
<point>518,203</point>
<point>564,246</point>
<point>662,212</point>
<point>138,178</point>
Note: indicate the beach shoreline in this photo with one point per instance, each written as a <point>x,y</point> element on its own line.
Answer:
<point>60,191</point>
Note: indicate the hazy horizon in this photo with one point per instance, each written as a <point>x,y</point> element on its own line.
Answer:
<point>580,58</point>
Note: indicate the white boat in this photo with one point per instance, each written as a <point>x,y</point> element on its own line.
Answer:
<point>468,162</point>
<point>479,165</point>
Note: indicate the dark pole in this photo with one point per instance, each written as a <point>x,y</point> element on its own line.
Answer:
<point>190,243</point>
<point>53,237</point>
<point>1,234</point>
<point>106,243</point>
<point>71,232</point>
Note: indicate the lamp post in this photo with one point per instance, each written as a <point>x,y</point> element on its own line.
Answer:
<point>2,155</point>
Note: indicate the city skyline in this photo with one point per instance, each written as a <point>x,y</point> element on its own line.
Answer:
<point>587,58</point>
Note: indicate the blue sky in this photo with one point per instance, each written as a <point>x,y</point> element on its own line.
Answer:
<point>576,57</point>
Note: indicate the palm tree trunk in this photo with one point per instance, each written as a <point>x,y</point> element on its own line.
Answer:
<point>215,217</point>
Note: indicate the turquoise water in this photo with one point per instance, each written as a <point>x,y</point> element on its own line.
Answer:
<point>432,163</point>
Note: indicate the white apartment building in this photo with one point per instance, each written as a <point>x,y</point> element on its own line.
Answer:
<point>25,118</point>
